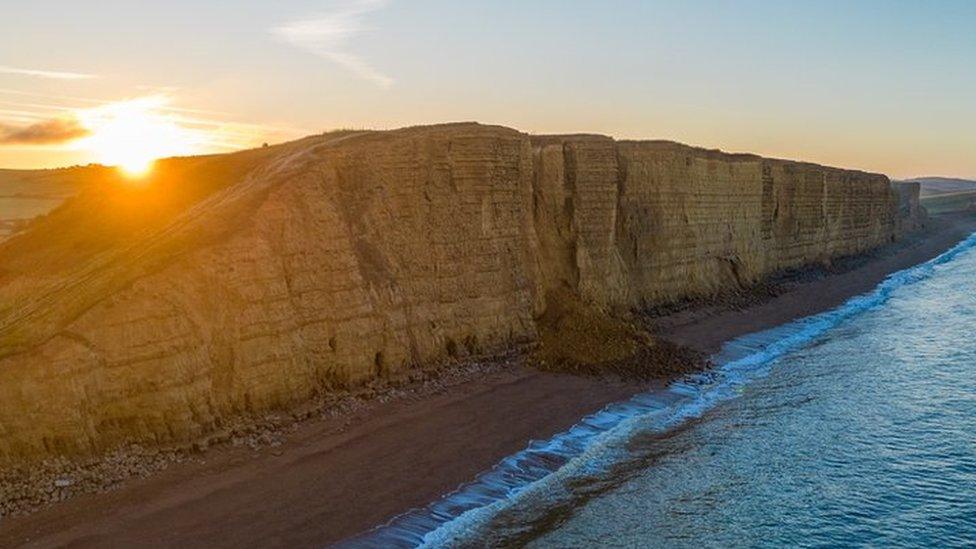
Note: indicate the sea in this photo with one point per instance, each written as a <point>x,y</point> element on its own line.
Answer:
<point>855,427</point>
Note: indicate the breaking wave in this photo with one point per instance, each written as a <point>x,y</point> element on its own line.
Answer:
<point>598,441</point>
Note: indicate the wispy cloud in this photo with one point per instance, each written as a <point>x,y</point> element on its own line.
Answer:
<point>47,132</point>
<point>327,35</point>
<point>57,75</point>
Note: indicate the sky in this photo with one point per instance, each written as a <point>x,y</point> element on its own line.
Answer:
<point>880,85</point>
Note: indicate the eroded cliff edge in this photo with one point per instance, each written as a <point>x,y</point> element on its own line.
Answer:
<point>277,273</point>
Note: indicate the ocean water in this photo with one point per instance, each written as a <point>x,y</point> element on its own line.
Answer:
<point>855,427</point>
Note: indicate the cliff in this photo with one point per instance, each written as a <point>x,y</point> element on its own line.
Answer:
<point>246,282</point>
<point>912,215</point>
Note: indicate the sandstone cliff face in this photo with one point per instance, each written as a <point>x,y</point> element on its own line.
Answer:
<point>911,214</point>
<point>340,258</point>
<point>651,222</point>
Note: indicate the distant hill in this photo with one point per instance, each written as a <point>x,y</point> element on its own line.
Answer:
<point>26,194</point>
<point>931,186</point>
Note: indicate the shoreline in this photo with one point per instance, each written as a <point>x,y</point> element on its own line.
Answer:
<point>409,451</point>
<point>707,328</point>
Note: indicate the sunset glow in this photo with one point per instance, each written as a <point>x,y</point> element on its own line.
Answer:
<point>487,273</point>
<point>134,134</point>
<point>279,71</point>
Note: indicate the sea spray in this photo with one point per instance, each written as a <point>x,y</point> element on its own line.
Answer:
<point>598,440</point>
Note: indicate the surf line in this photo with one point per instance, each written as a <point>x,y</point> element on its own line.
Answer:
<point>594,443</point>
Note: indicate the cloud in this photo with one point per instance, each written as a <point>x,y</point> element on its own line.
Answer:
<point>48,132</point>
<point>327,35</point>
<point>57,75</point>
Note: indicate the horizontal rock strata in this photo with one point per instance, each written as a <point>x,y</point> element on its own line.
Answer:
<point>345,257</point>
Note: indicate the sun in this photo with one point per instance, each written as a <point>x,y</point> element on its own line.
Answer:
<point>133,134</point>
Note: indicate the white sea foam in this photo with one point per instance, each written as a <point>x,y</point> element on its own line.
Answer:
<point>539,472</point>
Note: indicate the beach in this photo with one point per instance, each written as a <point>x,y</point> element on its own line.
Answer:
<point>328,479</point>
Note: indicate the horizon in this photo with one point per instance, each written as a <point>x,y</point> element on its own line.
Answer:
<point>879,87</point>
<point>693,145</point>
<point>429,273</point>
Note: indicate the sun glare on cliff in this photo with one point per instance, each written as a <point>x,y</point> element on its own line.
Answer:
<point>134,134</point>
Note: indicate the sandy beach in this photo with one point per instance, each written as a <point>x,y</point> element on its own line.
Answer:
<point>409,451</point>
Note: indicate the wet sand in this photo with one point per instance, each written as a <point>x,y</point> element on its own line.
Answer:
<point>333,479</point>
